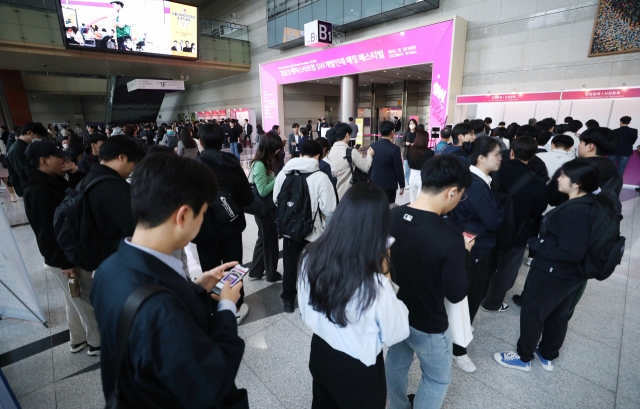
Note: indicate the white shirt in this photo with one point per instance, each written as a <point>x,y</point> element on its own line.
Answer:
<point>487,179</point>
<point>554,159</point>
<point>385,322</point>
<point>573,153</point>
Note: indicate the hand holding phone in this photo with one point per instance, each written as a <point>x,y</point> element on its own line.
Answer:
<point>469,240</point>
<point>233,277</point>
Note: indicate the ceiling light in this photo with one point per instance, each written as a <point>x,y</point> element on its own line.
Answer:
<point>392,82</point>
<point>408,75</point>
<point>384,71</point>
<point>397,73</point>
<point>419,77</point>
<point>351,10</point>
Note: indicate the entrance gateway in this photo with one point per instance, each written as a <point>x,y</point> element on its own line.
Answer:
<point>441,44</point>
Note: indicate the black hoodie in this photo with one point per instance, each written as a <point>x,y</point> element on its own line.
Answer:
<point>230,176</point>
<point>42,195</point>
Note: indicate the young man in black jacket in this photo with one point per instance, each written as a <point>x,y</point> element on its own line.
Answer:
<point>91,153</point>
<point>44,189</point>
<point>110,200</point>
<point>183,350</point>
<point>528,204</point>
<point>426,279</point>
<point>218,241</point>
<point>16,159</point>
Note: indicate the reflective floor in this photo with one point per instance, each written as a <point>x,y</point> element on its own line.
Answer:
<point>599,366</point>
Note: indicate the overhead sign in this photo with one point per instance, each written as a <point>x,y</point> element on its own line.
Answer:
<point>318,34</point>
<point>512,97</point>
<point>18,298</point>
<point>608,93</point>
<point>155,85</point>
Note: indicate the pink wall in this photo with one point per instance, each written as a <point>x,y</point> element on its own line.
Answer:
<point>428,44</point>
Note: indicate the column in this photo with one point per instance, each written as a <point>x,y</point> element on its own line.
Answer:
<point>348,97</point>
<point>15,103</point>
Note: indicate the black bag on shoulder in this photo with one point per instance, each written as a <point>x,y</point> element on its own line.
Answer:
<point>295,217</point>
<point>357,175</point>
<point>224,208</point>
<point>261,206</point>
<point>75,229</point>
<point>510,228</point>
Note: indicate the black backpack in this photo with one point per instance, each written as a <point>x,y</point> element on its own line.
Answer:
<point>510,228</point>
<point>294,217</point>
<point>606,245</point>
<point>357,175</point>
<point>75,230</point>
<point>610,189</point>
<point>224,208</point>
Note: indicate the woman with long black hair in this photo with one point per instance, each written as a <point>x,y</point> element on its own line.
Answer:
<point>408,139</point>
<point>417,155</point>
<point>187,145</point>
<point>262,175</point>
<point>554,277</point>
<point>346,297</point>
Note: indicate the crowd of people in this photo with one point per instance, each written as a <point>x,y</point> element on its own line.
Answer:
<point>365,272</point>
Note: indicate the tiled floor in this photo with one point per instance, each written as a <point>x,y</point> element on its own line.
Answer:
<point>599,366</point>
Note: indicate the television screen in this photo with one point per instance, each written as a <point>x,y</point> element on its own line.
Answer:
<point>132,26</point>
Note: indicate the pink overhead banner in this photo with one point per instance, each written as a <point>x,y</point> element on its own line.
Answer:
<point>609,93</point>
<point>428,44</point>
<point>512,97</point>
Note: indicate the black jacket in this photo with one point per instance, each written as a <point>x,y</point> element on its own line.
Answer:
<point>249,130</point>
<point>234,133</point>
<point>88,159</point>
<point>528,203</point>
<point>180,355</point>
<point>627,137</point>
<point>536,165</point>
<point>566,241</point>
<point>386,167</point>
<point>42,196</point>
<point>110,202</point>
<point>407,137</point>
<point>331,137</point>
<point>607,171</point>
<point>231,176</point>
<point>16,161</point>
<point>479,214</point>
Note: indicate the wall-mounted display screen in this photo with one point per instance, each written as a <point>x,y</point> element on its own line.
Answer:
<point>135,26</point>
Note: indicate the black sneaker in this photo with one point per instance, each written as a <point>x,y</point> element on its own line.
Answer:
<point>517,299</point>
<point>275,278</point>
<point>287,306</point>
<point>75,348</point>
<point>93,351</point>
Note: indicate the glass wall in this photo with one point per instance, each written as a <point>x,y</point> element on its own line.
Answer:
<point>288,17</point>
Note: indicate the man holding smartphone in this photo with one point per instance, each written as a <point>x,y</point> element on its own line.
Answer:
<point>180,341</point>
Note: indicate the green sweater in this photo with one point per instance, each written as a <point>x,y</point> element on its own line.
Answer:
<point>263,180</point>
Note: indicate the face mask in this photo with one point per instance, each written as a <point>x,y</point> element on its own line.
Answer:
<point>65,146</point>
<point>412,127</point>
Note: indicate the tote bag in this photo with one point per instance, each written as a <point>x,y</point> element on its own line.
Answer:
<point>261,206</point>
<point>459,322</point>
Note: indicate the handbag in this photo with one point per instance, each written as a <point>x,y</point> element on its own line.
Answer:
<point>261,206</point>
<point>459,322</point>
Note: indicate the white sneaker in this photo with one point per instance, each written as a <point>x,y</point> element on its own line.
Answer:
<point>529,260</point>
<point>465,363</point>
<point>242,313</point>
<point>14,198</point>
<point>46,267</point>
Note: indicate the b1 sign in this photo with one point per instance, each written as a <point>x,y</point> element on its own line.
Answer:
<point>318,34</point>
<point>155,85</point>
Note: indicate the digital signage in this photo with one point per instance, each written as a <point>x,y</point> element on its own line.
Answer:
<point>132,26</point>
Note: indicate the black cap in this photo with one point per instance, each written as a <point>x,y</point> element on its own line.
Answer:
<point>40,149</point>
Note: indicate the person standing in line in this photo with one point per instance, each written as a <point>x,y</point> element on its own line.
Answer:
<point>322,198</point>
<point>559,154</point>
<point>248,131</point>
<point>262,175</point>
<point>349,303</point>
<point>397,124</point>
<point>462,135</point>
<point>554,277</point>
<point>324,165</point>
<point>330,135</point>
<point>91,154</point>
<point>627,137</point>
<point>16,159</point>
<point>319,127</point>
<point>294,141</point>
<point>234,137</point>
<point>386,167</point>
<point>259,133</point>
<point>479,215</point>
<point>220,242</point>
<point>417,155</point>
<point>445,139</point>
<point>187,146</point>
<point>407,141</point>
<point>487,125</point>
<point>572,130</point>
<point>354,130</point>
<point>309,126</point>
<point>337,158</point>
<point>528,204</point>
<point>425,279</point>
<point>44,190</point>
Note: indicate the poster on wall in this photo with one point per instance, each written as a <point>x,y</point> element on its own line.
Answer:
<point>616,28</point>
<point>168,28</point>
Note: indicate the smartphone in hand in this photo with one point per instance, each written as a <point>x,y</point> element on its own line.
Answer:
<point>234,276</point>
<point>468,237</point>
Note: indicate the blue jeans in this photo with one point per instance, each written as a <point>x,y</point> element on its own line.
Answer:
<point>407,171</point>
<point>620,162</point>
<point>435,354</point>
<point>234,149</point>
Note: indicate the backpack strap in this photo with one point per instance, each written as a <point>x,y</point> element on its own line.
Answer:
<point>521,183</point>
<point>95,181</point>
<point>130,309</point>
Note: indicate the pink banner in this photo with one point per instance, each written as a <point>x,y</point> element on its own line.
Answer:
<point>512,97</point>
<point>610,93</point>
<point>428,44</point>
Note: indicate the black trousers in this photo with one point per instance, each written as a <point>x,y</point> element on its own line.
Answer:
<point>480,268</point>
<point>545,312</point>
<point>265,253</point>
<point>577,295</point>
<point>391,196</point>
<point>343,382</point>
<point>214,253</point>
<point>291,251</point>
<point>245,139</point>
